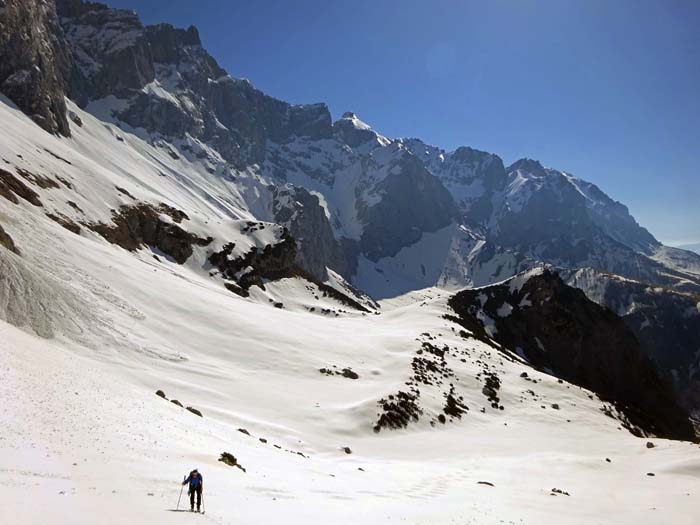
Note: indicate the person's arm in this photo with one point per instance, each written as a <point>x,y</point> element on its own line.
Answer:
<point>186,481</point>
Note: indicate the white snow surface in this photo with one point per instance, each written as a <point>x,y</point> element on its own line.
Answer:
<point>88,333</point>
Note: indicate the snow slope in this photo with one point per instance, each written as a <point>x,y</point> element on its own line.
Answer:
<point>85,439</point>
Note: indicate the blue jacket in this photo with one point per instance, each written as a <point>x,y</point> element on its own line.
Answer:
<point>195,483</point>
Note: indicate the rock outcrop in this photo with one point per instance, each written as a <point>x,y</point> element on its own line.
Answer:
<point>34,62</point>
<point>556,328</point>
<point>7,241</point>
<point>665,321</point>
<point>145,225</point>
<point>275,261</point>
<point>301,212</point>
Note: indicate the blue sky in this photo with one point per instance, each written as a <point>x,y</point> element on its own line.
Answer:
<point>608,90</point>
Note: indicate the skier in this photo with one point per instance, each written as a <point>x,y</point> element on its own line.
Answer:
<point>196,485</point>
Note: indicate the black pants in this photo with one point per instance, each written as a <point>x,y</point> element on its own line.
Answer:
<point>197,491</point>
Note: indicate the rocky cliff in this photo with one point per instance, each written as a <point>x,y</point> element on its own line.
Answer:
<point>34,62</point>
<point>557,329</point>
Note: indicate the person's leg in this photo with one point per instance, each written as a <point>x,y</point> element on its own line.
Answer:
<point>199,498</point>
<point>192,499</point>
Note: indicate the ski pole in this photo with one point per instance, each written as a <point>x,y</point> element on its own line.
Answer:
<point>203,507</point>
<point>180,496</point>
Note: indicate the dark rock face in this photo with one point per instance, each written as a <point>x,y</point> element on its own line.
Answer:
<point>11,188</point>
<point>473,177</point>
<point>7,242</point>
<point>345,130</point>
<point>301,212</point>
<point>252,118</point>
<point>195,411</point>
<point>398,411</point>
<point>413,202</point>
<point>135,226</point>
<point>569,222</point>
<point>114,54</point>
<point>65,222</point>
<point>168,42</point>
<point>275,261</point>
<point>559,329</point>
<point>34,62</point>
<point>111,54</point>
<point>666,323</point>
<point>230,460</point>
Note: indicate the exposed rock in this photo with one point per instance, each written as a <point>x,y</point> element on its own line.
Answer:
<point>345,372</point>
<point>301,212</point>
<point>38,180</point>
<point>665,321</point>
<point>194,411</point>
<point>230,460</point>
<point>274,262</point>
<point>492,385</point>
<point>160,393</point>
<point>352,131</point>
<point>470,175</point>
<point>11,188</point>
<point>398,410</point>
<point>413,202</point>
<point>141,224</point>
<point>125,192</point>
<point>176,402</point>
<point>111,54</point>
<point>115,54</point>
<point>559,491</point>
<point>560,330</point>
<point>34,62</point>
<point>7,242</point>
<point>454,404</point>
<point>65,222</point>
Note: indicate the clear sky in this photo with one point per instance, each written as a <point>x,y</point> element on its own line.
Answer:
<point>608,90</point>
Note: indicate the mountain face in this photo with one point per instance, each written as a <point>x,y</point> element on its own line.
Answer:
<point>556,328</point>
<point>666,323</point>
<point>365,212</point>
<point>35,62</point>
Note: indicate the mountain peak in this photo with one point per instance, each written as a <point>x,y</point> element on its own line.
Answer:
<point>529,165</point>
<point>352,130</point>
<point>356,122</point>
<point>174,36</point>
